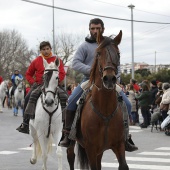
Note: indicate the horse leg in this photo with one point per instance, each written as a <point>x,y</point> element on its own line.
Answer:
<point>44,148</point>
<point>1,106</point>
<point>92,157</point>
<point>99,159</point>
<point>120,154</point>
<point>57,136</point>
<point>33,133</point>
<point>71,157</point>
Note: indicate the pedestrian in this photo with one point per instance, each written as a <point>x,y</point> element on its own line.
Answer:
<point>144,98</point>
<point>82,62</point>
<point>27,89</point>
<point>131,96</point>
<point>1,79</point>
<point>69,89</point>
<point>34,75</point>
<point>154,91</point>
<point>165,102</point>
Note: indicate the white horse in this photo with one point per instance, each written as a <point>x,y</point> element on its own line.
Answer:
<point>3,90</point>
<point>47,124</point>
<point>19,97</point>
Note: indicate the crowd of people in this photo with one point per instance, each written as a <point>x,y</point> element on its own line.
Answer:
<point>148,96</point>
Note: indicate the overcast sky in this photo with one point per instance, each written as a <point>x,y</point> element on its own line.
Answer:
<point>35,23</point>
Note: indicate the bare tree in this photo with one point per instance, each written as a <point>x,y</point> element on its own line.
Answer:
<point>66,45</point>
<point>14,53</point>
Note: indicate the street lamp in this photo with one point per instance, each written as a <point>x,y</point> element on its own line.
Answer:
<point>53,31</point>
<point>131,7</point>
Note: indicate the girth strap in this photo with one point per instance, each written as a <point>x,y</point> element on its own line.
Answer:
<point>50,115</point>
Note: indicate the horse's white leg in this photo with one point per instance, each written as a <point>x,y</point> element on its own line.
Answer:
<point>57,136</point>
<point>1,111</point>
<point>33,133</point>
<point>44,147</point>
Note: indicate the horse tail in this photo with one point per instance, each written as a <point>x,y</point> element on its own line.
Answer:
<point>49,147</point>
<point>82,157</point>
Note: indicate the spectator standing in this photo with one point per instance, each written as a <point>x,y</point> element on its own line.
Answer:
<point>159,94</point>
<point>165,99</point>
<point>69,89</point>
<point>131,96</point>
<point>1,79</point>
<point>27,88</point>
<point>144,103</point>
<point>154,91</point>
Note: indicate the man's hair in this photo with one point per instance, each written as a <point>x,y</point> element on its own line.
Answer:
<point>44,44</point>
<point>96,21</point>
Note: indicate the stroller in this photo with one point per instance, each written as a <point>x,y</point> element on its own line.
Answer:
<point>156,118</point>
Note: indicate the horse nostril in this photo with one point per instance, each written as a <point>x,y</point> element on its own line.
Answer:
<point>105,78</point>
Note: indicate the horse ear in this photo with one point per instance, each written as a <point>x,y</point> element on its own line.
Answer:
<point>99,37</point>
<point>118,38</point>
<point>45,63</point>
<point>57,62</point>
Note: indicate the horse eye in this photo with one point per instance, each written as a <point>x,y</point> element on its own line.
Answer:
<point>57,78</point>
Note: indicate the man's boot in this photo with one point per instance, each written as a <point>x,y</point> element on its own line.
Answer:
<point>129,144</point>
<point>24,127</point>
<point>65,141</point>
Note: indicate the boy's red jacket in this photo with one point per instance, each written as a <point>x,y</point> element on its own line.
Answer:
<point>35,71</point>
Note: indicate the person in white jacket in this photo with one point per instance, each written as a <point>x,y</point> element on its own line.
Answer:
<point>165,99</point>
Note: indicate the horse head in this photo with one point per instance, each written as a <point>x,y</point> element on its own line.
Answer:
<point>106,62</point>
<point>51,78</point>
<point>20,85</point>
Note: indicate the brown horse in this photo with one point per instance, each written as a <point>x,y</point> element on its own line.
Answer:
<point>101,122</point>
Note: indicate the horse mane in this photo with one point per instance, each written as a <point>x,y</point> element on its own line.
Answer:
<point>47,76</point>
<point>106,41</point>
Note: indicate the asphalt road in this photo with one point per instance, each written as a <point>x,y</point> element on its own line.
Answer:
<point>15,152</point>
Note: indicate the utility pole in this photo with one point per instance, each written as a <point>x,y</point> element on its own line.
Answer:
<point>53,30</point>
<point>155,61</point>
<point>131,7</point>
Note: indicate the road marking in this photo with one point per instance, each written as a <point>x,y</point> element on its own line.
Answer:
<point>135,127</point>
<point>135,131</point>
<point>7,152</point>
<point>163,148</point>
<point>155,153</point>
<point>27,148</point>
<point>135,166</point>
<point>142,159</point>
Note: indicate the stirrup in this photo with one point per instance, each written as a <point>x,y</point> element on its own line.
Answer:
<point>65,141</point>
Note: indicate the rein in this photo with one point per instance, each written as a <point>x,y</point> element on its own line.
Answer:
<point>50,114</point>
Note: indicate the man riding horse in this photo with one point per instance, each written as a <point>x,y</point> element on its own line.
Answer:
<point>34,76</point>
<point>82,62</point>
<point>15,80</point>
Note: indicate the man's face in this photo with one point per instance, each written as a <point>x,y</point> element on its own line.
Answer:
<point>45,51</point>
<point>16,72</point>
<point>94,29</point>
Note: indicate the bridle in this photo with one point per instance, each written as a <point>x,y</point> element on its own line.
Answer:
<point>112,66</point>
<point>55,92</point>
<point>109,60</point>
<point>56,103</point>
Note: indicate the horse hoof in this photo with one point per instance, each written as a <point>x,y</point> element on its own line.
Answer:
<point>1,111</point>
<point>33,161</point>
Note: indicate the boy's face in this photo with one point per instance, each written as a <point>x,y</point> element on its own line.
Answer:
<point>45,51</point>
